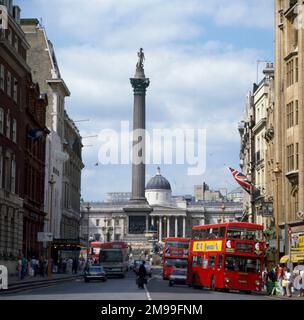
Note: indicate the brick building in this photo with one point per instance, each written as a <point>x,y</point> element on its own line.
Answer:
<point>21,109</point>
<point>13,72</point>
<point>34,169</point>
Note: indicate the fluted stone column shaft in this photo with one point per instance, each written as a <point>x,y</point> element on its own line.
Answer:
<point>175,233</point>
<point>160,231</point>
<point>168,227</point>
<point>184,227</point>
<point>139,125</point>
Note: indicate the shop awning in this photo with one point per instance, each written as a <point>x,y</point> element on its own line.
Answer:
<point>295,258</point>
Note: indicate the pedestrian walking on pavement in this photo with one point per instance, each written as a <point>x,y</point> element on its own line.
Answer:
<point>24,267</point>
<point>19,268</point>
<point>280,277</point>
<point>288,281</point>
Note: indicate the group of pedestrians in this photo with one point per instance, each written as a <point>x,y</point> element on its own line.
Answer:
<point>279,280</point>
<point>70,265</point>
<point>31,266</point>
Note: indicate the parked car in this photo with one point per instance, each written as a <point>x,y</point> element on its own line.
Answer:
<point>95,273</point>
<point>148,267</point>
<point>178,276</point>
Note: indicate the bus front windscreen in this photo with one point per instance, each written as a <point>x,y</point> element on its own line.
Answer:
<point>111,256</point>
<point>177,263</point>
<point>242,264</point>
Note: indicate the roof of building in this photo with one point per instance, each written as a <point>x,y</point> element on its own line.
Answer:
<point>158,182</point>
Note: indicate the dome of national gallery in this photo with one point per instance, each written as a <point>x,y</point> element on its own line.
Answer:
<point>158,182</point>
<point>158,190</point>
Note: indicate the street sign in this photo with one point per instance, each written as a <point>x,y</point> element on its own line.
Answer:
<point>45,236</point>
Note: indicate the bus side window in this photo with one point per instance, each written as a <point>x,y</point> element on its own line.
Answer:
<point>220,261</point>
<point>222,232</point>
<point>194,261</point>
<point>199,261</point>
<point>211,261</point>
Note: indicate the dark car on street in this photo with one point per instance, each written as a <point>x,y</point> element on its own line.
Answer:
<point>178,276</point>
<point>95,273</point>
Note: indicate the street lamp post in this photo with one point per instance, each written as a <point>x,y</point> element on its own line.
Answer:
<point>49,253</point>
<point>110,232</point>
<point>88,207</point>
<point>277,172</point>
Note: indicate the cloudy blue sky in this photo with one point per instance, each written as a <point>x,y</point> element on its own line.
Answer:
<point>201,58</point>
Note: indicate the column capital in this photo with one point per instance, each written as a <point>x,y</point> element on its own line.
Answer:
<point>140,85</point>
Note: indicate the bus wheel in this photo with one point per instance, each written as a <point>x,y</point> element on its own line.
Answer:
<point>212,284</point>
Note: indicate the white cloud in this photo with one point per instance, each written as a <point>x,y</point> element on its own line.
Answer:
<point>195,82</point>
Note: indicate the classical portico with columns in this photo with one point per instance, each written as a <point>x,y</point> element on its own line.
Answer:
<point>170,216</point>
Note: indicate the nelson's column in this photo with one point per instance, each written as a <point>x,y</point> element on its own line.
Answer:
<point>138,208</point>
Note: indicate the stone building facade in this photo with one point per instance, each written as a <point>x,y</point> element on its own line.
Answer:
<point>289,118</point>
<point>256,154</point>
<point>71,188</point>
<point>45,71</point>
<point>171,216</point>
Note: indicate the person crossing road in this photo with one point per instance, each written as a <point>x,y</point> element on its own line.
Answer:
<point>141,275</point>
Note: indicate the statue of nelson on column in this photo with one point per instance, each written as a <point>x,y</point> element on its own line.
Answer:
<point>141,58</point>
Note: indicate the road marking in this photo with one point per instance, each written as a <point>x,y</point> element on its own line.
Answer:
<point>146,289</point>
<point>147,293</point>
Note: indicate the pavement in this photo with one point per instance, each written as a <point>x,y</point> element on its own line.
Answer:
<point>16,285</point>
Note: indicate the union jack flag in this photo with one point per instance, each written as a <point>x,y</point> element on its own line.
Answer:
<point>242,180</point>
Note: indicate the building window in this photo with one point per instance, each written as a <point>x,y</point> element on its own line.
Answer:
<point>296,112</point>
<point>15,130</point>
<point>290,157</point>
<point>9,84</point>
<point>1,168</point>
<point>7,172</point>
<point>116,222</point>
<point>97,222</point>
<point>297,156</point>
<point>2,77</point>
<point>289,73</point>
<point>1,120</point>
<point>290,116</point>
<point>10,36</point>
<point>297,70</point>
<point>8,126</point>
<point>13,176</point>
<point>15,90</point>
<point>16,44</point>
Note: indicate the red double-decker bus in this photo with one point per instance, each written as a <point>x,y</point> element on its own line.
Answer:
<point>227,256</point>
<point>175,255</point>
